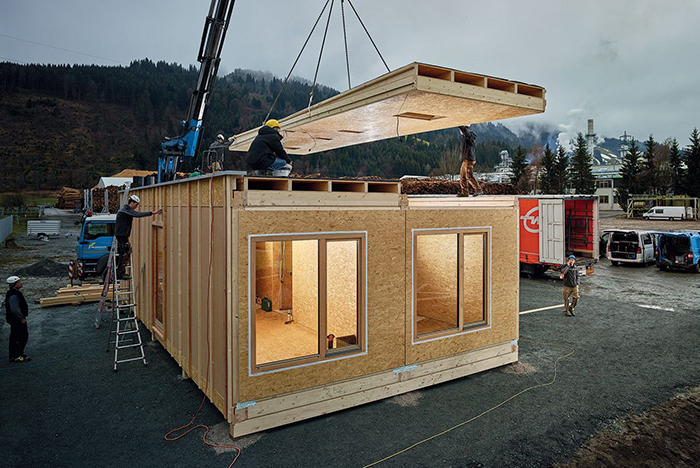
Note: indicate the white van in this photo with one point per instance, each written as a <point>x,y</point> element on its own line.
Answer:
<point>665,212</point>
<point>630,246</point>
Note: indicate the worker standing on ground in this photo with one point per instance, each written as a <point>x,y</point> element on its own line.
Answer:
<point>468,158</point>
<point>16,311</point>
<point>122,230</point>
<point>266,152</point>
<point>569,273</point>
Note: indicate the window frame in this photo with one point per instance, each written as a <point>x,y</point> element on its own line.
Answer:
<point>324,355</point>
<point>463,328</point>
<point>158,228</point>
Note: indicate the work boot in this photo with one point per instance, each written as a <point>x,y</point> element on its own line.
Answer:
<point>476,194</point>
<point>572,312</point>
<point>567,312</point>
<point>462,194</point>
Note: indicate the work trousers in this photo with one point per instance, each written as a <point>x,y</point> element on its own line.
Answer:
<point>466,177</point>
<point>19,335</point>
<point>123,255</point>
<point>569,292</point>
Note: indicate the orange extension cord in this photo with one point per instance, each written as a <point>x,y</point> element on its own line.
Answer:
<point>206,386</point>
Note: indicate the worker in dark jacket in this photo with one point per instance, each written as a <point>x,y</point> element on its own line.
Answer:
<point>569,273</point>
<point>266,152</point>
<point>468,158</point>
<point>16,311</point>
<point>122,231</point>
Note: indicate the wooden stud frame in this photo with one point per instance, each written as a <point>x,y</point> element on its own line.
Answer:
<point>158,238</point>
<point>487,262</point>
<point>324,355</point>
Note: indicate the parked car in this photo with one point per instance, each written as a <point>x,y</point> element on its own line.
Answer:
<point>629,246</point>
<point>665,212</point>
<point>679,249</point>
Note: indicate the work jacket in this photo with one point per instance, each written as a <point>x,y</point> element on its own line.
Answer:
<point>467,152</point>
<point>571,278</point>
<point>16,308</point>
<point>125,216</point>
<point>266,146</point>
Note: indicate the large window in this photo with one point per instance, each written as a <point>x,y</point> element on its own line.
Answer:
<point>307,298</point>
<point>450,282</point>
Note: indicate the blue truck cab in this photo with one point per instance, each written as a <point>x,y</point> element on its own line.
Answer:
<point>94,243</point>
<point>680,249</point>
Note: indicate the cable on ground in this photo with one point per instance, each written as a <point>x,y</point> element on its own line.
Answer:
<point>463,423</point>
<point>206,385</point>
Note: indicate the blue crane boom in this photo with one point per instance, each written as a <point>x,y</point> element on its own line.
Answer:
<point>185,145</point>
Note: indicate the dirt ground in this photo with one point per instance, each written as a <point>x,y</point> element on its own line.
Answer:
<point>628,396</point>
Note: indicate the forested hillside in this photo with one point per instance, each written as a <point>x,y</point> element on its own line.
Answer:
<point>69,125</point>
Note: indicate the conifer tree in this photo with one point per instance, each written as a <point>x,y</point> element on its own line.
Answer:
<point>581,170</point>
<point>561,181</point>
<point>650,169</point>
<point>518,166</point>
<point>629,172</point>
<point>548,175</point>
<point>692,154</point>
<point>675,161</point>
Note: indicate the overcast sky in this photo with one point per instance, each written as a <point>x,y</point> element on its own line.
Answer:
<point>630,65</point>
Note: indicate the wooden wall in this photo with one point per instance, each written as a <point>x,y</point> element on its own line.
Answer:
<point>197,301</point>
<point>386,286</point>
<point>504,273</point>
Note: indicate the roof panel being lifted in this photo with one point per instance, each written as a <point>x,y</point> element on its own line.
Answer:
<point>414,99</point>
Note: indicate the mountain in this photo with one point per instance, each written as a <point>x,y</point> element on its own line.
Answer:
<point>68,125</point>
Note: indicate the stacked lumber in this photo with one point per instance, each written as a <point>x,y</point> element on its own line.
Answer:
<point>75,295</point>
<point>449,187</point>
<point>98,199</point>
<point>69,198</point>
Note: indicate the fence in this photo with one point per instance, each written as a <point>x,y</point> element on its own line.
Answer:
<point>5,228</point>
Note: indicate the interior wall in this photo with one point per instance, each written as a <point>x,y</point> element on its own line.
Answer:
<point>436,276</point>
<point>305,286</point>
<point>473,292</point>
<point>342,277</point>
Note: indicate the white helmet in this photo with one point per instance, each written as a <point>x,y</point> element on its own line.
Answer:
<point>12,279</point>
<point>220,137</point>
<point>134,198</point>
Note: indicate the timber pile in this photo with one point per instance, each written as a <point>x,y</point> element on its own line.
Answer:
<point>75,295</point>
<point>448,187</point>
<point>69,198</point>
<point>98,199</point>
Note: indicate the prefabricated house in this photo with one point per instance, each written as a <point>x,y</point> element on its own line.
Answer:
<point>285,299</point>
<point>289,298</point>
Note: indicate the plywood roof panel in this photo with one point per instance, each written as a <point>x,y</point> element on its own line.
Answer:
<point>413,99</point>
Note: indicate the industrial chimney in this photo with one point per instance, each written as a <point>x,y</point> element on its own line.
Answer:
<point>591,138</point>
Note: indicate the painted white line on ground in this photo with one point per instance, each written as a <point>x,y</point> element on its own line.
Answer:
<point>655,307</point>
<point>541,309</point>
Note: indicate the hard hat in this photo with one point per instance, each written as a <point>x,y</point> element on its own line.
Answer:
<point>272,123</point>
<point>572,256</point>
<point>220,137</point>
<point>134,198</point>
<point>12,279</point>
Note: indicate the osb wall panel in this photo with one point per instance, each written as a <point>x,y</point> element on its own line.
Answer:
<point>473,292</point>
<point>187,245</point>
<point>386,285</point>
<point>305,286</point>
<point>342,288</point>
<point>504,307</point>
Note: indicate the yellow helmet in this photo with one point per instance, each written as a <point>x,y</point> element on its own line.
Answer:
<point>272,123</point>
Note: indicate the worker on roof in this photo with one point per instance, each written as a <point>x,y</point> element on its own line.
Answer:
<point>122,231</point>
<point>468,157</point>
<point>216,153</point>
<point>16,311</point>
<point>266,152</point>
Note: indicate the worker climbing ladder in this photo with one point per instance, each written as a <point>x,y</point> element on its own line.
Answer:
<point>124,323</point>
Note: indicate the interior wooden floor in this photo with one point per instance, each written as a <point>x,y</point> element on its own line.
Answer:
<point>429,325</point>
<point>276,341</point>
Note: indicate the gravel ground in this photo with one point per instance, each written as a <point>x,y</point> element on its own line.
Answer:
<point>636,355</point>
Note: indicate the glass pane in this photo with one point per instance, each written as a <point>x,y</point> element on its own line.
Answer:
<point>342,284</point>
<point>473,292</point>
<point>436,284</point>
<point>286,317</point>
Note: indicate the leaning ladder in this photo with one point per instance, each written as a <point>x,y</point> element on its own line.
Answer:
<point>124,320</point>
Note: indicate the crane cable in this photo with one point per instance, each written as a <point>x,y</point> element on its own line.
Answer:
<point>347,60</point>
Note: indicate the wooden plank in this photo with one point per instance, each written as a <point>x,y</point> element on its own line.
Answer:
<point>283,199</point>
<point>413,99</point>
<point>377,390</point>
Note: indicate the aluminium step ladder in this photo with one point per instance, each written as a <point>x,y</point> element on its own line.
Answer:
<point>124,324</point>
